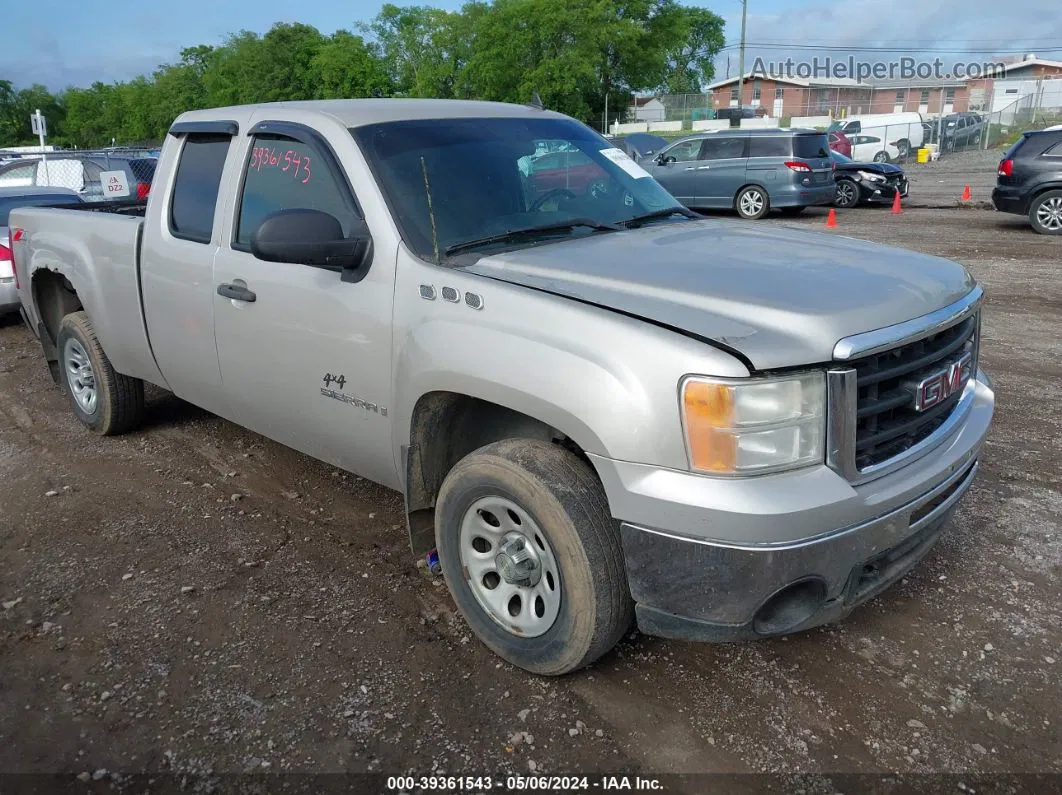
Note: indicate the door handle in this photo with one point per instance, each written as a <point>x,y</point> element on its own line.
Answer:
<point>236,293</point>
<point>691,168</point>
<point>703,168</point>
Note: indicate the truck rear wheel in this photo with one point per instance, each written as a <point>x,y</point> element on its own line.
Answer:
<point>104,401</point>
<point>532,555</point>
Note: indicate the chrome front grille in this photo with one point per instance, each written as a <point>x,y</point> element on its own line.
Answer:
<point>876,418</point>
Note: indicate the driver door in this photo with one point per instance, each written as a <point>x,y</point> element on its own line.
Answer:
<point>305,356</point>
<point>676,169</point>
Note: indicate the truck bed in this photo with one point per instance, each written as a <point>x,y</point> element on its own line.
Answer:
<point>96,246</point>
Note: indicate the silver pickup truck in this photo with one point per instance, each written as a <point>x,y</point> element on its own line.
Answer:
<point>600,408</point>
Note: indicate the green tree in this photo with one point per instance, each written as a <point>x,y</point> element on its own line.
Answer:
<point>345,67</point>
<point>424,49</point>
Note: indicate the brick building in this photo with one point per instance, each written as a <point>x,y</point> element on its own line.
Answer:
<point>784,96</point>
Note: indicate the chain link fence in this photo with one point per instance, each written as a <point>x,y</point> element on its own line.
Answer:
<point>114,174</point>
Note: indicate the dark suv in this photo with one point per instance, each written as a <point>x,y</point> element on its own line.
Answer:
<point>1029,181</point>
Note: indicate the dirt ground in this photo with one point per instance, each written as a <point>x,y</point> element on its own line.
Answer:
<point>940,183</point>
<point>195,599</point>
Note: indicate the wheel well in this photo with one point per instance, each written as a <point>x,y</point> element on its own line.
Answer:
<point>55,298</point>
<point>1038,192</point>
<point>469,423</point>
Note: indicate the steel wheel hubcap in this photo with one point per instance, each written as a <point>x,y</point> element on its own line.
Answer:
<point>751,203</point>
<point>510,566</point>
<point>80,376</point>
<point>1049,214</point>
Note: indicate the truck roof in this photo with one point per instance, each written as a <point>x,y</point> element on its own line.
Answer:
<point>360,112</point>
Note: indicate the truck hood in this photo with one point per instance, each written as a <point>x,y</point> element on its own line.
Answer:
<point>781,297</point>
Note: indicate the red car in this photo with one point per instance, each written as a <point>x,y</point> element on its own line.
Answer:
<point>571,170</point>
<point>839,142</point>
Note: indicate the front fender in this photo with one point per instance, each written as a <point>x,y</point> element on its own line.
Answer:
<point>577,393</point>
<point>606,380</point>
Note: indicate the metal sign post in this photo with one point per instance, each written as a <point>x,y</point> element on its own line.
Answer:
<point>40,126</point>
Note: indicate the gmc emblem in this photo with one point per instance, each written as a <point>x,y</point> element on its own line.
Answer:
<point>938,387</point>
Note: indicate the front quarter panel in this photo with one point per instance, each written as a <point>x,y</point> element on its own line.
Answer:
<point>607,381</point>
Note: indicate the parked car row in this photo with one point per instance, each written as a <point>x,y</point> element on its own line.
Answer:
<point>751,171</point>
<point>79,173</point>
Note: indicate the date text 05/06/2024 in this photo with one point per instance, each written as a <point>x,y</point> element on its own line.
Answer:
<point>515,783</point>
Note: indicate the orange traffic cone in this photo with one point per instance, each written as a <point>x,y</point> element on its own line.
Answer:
<point>831,219</point>
<point>966,194</point>
<point>896,204</point>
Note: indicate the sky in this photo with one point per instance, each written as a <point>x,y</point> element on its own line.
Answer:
<point>69,42</point>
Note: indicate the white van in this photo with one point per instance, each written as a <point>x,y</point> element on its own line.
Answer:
<point>903,131</point>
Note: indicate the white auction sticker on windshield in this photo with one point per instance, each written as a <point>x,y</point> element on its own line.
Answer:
<point>624,161</point>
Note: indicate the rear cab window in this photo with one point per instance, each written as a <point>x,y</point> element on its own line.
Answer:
<point>196,185</point>
<point>284,174</point>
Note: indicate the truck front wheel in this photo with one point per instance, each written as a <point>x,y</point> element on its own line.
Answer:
<point>103,401</point>
<point>532,555</point>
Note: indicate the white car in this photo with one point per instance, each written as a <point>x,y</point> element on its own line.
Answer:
<point>866,148</point>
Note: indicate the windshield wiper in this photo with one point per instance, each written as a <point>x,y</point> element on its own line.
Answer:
<point>531,231</point>
<point>638,220</point>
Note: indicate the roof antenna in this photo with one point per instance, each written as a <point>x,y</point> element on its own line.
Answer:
<point>536,102</point>
<point>431,211</point>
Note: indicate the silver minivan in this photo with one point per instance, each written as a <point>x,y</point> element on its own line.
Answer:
<point>750,171</point>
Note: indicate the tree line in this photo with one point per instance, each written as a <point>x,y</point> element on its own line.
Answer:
<point>572,53</point>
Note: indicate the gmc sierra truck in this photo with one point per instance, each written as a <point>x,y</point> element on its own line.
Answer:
<point>601,408</point>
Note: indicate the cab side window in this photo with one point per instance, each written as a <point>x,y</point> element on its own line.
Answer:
<point>195,186</point>
<point>284,174</point>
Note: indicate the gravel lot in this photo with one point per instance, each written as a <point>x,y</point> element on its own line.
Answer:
<point>939,184</point>
<point>195,599</point>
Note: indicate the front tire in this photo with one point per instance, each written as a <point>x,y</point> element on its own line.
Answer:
<point>881,157</point>
<point>847,194</point>
<point>752,203</point>
<point>1045,213</point>
<point>904,148</point>
<point>532,555</point>
<point>103,400</point>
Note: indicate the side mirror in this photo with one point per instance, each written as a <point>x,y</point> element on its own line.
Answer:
<point>314,238</point>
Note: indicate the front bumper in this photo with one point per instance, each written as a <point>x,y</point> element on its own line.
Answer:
<point>883,192</point>
<point>716,560</point>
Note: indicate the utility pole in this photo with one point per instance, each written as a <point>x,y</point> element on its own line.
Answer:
<point>741,57</point>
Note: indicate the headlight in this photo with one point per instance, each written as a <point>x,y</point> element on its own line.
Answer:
<point>871,177</point>
<point>753,426</point>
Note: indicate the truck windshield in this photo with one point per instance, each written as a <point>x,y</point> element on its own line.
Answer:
<point>467,183</point>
